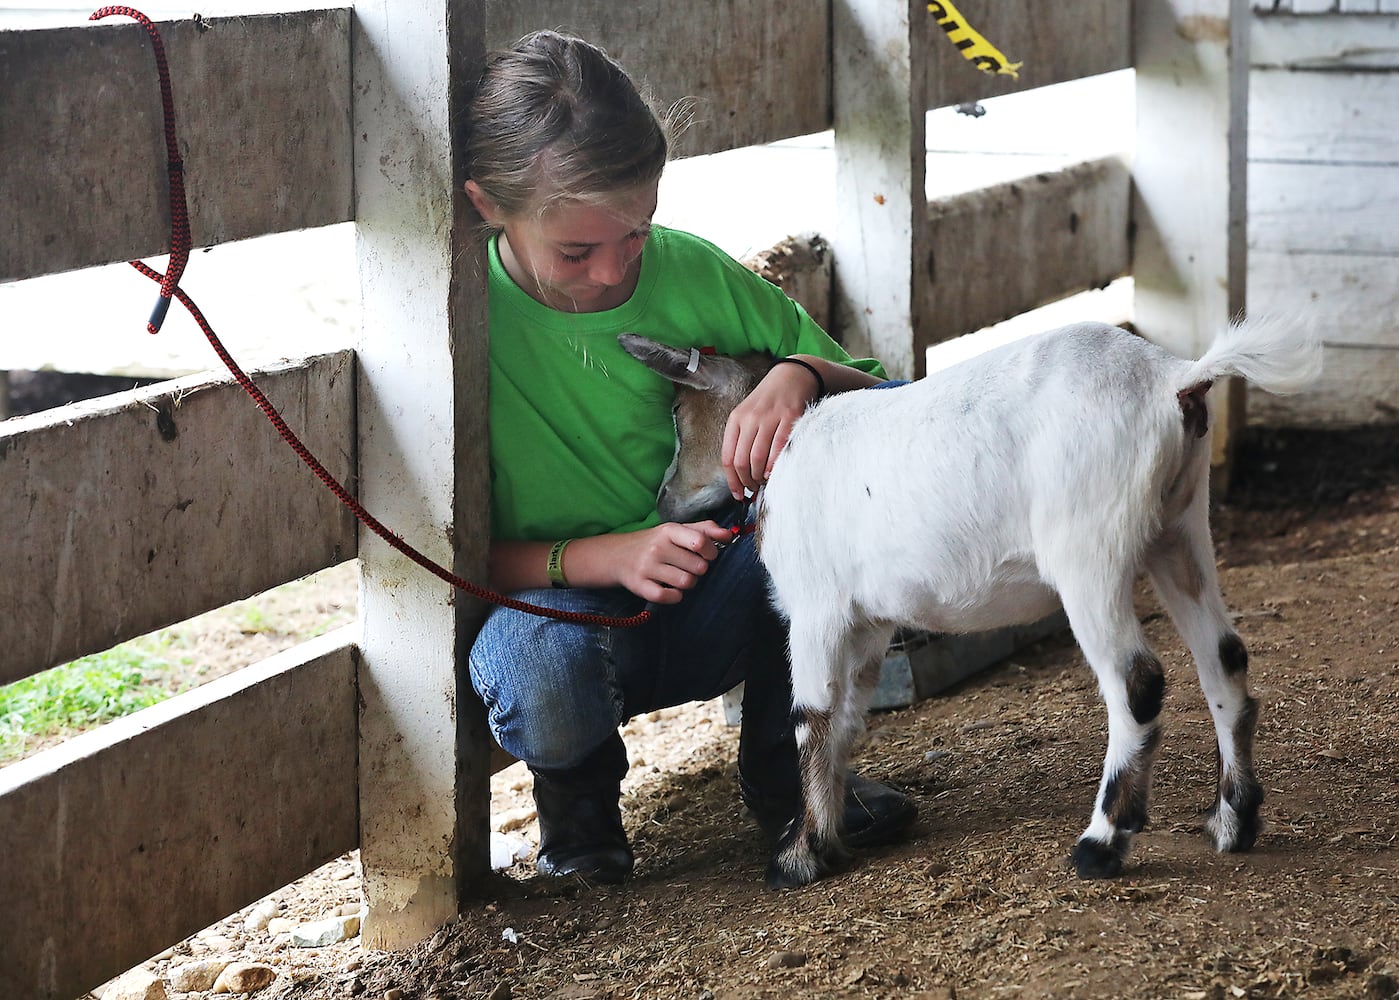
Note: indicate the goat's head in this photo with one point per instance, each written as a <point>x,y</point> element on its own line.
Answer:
<point>707,388</point>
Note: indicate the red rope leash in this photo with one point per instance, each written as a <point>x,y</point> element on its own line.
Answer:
<point>179,255</point>
<point>174,168</point>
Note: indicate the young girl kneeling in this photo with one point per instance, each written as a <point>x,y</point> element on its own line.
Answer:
<point>565,159</point>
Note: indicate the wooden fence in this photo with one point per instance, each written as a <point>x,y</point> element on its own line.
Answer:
<point>147,507</point>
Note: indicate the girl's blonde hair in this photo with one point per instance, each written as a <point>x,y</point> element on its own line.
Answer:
<point>554,118</point>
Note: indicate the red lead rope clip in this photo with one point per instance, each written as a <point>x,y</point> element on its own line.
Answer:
<point>741,526</point>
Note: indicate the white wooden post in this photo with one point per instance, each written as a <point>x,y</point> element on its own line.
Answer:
<point>880,241</point>
<point>422,445</point>
<point>1189,178</point>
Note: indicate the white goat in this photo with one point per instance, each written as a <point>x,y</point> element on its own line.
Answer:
<point>1066,463</point>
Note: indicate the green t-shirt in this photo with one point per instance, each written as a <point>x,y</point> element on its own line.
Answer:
<point>581,432</point>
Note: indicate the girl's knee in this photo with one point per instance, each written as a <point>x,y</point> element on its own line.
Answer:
<point>549,731</point>
<point>548,692</point>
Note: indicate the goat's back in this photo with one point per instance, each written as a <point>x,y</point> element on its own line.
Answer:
<point>953,501</point>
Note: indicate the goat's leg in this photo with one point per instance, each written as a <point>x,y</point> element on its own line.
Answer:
<point>825,698</point>
<point>1132,683</point>
<point>866,657</point>
<point>1182,569</point>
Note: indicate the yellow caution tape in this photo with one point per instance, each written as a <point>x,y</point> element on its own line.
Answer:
<point>974,48</point>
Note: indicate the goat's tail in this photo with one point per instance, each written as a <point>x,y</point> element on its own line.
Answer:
<point>1279,354</point>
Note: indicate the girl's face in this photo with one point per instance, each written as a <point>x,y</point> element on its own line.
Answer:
<point>575,256</point>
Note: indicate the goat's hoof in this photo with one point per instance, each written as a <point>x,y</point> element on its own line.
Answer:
<point>783,877</point>
<point>793,873</point>
<point>791,868</point>
<point>1134,824</point>
<point>1095,859</point>
<point>1230,832</point>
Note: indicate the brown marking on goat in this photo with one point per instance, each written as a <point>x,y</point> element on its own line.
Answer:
<point>1172,558</point>
<point>1239,786</point>
<point>699,423</point>
<point>702,413</point>
<point>1241,773</point>
<point>1126,796</point>
<point>867,678</point>
<point>1146,686</point>
<point>1193,409</point>
<point>1233,655</point>
<point>813,742</point>
<point>817,724</point>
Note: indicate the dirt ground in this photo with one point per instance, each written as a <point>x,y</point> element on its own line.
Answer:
<point>980,901</point>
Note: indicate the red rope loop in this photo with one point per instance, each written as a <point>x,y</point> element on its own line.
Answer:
<point>169,286</point>
<point>175,170</point>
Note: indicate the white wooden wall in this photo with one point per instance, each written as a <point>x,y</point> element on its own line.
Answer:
<point>1326,6</point>
<point>1324,200</point>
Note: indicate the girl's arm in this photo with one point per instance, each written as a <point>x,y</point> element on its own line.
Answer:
<point>656,564</point>
<point>758,428</point>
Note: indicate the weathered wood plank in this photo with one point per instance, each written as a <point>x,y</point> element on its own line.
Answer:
<point>1055,41</point>
<point>147,507</point>
<point>262,106</point>
<point>719,53</point>
<point>1324,207</point>
<point>1324,117</point>
<point>1054,234</point>
<point>1356,296</point>
<point>126,839</point>
<point>1359,385</point>
<point>1326,6</point>
<point>1359,297</point>
<point>1326,42</point>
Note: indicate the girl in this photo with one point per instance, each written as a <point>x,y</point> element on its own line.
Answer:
<point>565,158</point>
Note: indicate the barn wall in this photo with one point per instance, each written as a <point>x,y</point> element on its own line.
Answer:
<point>1324,201</point>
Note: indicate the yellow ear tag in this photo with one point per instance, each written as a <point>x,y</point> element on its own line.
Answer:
<point>974,48</point>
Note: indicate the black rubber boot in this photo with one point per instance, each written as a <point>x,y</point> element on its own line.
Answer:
<point>875,814</point>
<point>580,817</point>
<point>768,779</point>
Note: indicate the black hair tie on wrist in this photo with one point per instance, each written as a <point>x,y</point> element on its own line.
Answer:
<point>820,382</point>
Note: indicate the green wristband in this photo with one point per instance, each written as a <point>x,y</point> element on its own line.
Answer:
<point>554,568</point>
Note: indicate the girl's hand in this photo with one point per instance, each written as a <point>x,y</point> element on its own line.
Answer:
<point>659,564</point>
<point>758,427</point>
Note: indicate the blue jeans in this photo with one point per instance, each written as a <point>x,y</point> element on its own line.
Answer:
<point>557,691</point>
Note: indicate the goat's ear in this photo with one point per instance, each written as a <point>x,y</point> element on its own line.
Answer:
<point>680,365</point>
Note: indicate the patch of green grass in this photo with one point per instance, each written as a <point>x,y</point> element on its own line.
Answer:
<point>253,620</point>
<point>79,695</point>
